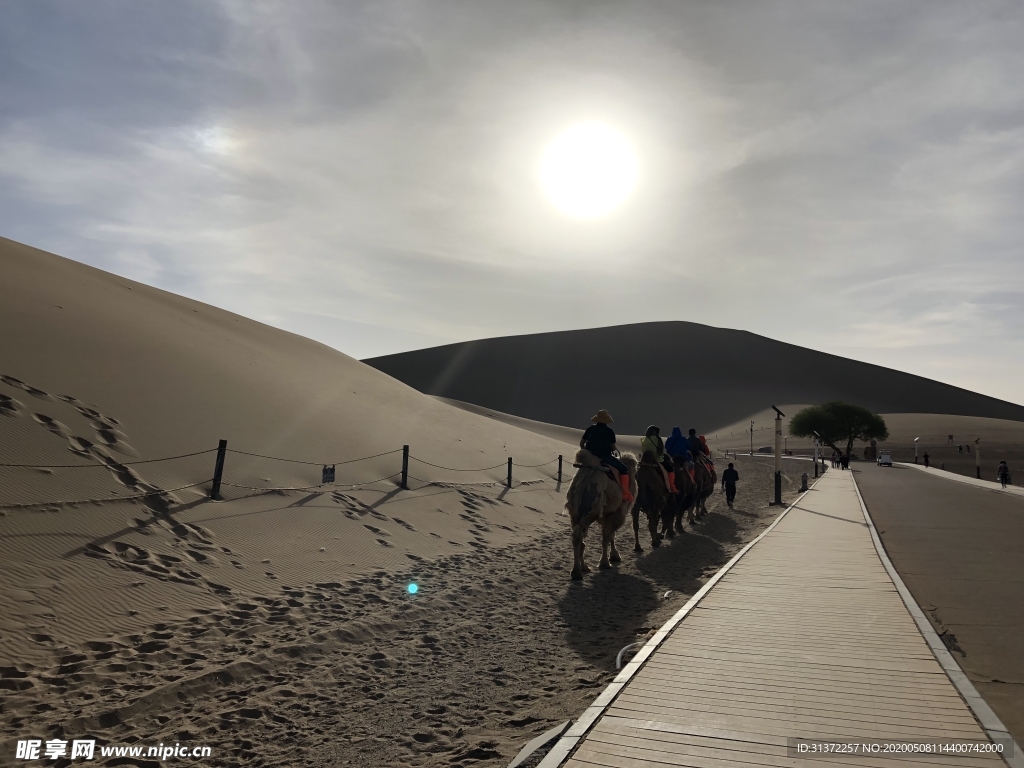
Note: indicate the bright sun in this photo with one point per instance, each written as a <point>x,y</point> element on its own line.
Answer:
<point>588,170</point>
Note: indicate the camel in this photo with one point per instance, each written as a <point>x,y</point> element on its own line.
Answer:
<point>652,497</point>
<point>679,503</point>
<point>706,480</point>
<point>595,497</point>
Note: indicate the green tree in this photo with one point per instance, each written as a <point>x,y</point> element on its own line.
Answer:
<point>838,422</point>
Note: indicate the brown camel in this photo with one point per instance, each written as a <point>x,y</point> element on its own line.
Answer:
<point>595,497</point>
<point>652,496</point>
<point>706,480</point>
<point>679,503</point>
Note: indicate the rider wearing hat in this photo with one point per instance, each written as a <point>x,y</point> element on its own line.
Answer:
<point>599,439</point>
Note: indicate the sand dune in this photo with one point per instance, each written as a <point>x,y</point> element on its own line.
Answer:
<point>277,626</point>
<point>126,591</point>
<point>666,373</point>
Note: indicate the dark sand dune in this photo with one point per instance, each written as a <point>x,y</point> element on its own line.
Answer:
<point>666,373</point>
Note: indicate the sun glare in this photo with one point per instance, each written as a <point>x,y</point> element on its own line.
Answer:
<point>589,170</point>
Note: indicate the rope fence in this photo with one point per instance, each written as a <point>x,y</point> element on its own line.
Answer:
<point>224,476</point>
<point>453,469</point>
<point>106,466</point>
<point>100,500</point>
<point>312,463</point>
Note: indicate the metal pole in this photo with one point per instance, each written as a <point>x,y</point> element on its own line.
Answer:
<point>509,471</point>
<point>815,457</point>
<point>405,467</point>
<point>977,458</point>
<point>751,437</point>
<point>218,470</point>
<point>778,458</point>
<point>915,449</point>
<point>559,467</point>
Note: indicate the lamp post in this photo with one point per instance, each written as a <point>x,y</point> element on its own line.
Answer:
<point>751,437</point>
<point>915,449</point>
<point>817,437</point>
<point>778,457</point>
<point>977,458</point>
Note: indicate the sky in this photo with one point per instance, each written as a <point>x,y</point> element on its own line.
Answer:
<point>844,176</point>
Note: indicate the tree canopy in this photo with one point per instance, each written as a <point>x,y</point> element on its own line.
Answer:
<point>837,422</point>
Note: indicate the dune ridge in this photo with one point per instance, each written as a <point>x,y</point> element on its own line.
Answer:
<point>666,373</point>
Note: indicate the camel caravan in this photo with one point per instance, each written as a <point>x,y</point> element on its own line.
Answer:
<point>668,480</point>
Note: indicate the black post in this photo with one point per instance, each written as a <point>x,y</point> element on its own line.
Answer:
<point>778,489</point>
<point>405,467</point>
<point>815,467</point>
<point>218,470</point>
<point>559,467</point>
<point>509,471</point>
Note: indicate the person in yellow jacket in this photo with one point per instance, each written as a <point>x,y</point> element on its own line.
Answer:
<point>653,444</point>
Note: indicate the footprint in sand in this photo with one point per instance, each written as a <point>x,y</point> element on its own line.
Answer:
<point>9,406</point>
<point>374,529</point>
<point>384,543</point>
<point>59,429</point>
<point>404,524</point>
<point>13,382</point>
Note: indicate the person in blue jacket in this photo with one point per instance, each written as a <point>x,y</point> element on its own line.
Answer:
<point>676,445</point>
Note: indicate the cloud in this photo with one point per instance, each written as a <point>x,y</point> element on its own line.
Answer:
<point>843,176</point>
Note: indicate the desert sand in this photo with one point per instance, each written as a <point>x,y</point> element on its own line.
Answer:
<point>277,626</point>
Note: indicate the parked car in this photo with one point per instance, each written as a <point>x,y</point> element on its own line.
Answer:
<point>884,459</point>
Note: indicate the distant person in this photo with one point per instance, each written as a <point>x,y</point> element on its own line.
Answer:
<point>1003,473</point>
<point>653,445</point>
<point>844,461</point>
<point>926,458</point>
<point>599,439</point>
<point>729,479</point>
<point>959,448</point>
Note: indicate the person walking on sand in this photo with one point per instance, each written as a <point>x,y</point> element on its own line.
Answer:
<point>1003,473</point>
<point>926,457</point>
<point>599,439</point>
<point>729,478</point>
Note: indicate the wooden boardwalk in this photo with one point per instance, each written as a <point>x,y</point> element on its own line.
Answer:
<point>806,636</point>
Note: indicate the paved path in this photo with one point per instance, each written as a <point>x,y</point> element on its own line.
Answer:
<point>958,549</point>
<point>805,636</point>
<point>988,485</point>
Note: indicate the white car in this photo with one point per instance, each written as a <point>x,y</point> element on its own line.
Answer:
<point>884,459</point>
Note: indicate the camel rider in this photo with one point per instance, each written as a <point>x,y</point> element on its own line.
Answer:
<point>676,445</point>
<point>699,447</point>
<point>696,446</point>
<point>679,446</point>
<point>599,439</point>
<point>653,444</point>
<point>707,451</point>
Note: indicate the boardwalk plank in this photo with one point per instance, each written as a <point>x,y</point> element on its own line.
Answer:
<point>806,636</point>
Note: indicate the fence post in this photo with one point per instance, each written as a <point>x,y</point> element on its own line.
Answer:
<point>559,467</point>
<point>218,470</point>
<point>405,467</point>
<point>509,471</point>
